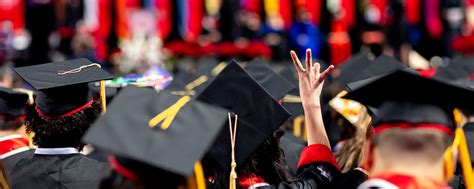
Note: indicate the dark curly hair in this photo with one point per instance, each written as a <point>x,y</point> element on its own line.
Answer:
<point>62,132</point>
<point>267,162</point>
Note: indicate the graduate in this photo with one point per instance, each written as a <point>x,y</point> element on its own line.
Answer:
<point>413,128</point>
<point>157,141</point>
<point>62,112</point>
<point>14,142</point>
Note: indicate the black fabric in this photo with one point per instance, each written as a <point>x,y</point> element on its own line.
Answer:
<point>352,67</point>
<point>292,147</point>
<point>12,103</point>
<point>10,161</point>
<point>469,133</point>
<point>124,130</point>
<point>259,114</point>
<point>99,155</point>
<point>56,102</point>
<point>57,171</point>
<point>275,84</point>
<point>458,68</point>
<point>350,179</point>
<point>311,176</point>
<point>404,87</point>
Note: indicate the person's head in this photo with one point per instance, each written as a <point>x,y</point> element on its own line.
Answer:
<point>12,110</point>
<point>267,163</point>
<point>64,107</point>
<point>414,123</point>
<point>62,131</point>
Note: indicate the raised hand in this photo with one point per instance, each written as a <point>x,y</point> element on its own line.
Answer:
<point>311,81</point>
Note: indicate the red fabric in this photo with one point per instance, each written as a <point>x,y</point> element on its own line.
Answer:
<point>317,153</point>
<point>428,73</point>
<point>463,44</point>
<point>13,144</point>
<point>349,10</point>
<point>412,11</point>
<point>286,12</point>
<point>252,6</point>
<point>121,169</point>
<point>339,43</point>
<point>433,20</point>
<point>248,180</point>
<point>9,118</point>
<point>428,126</point>
<point>194,26</point>
<point>66,114</point>
<point>164,18</point>
<point>66,32</point>
<point>381,6</point>
<point>257,49</point>
<point>103,30</point>
<point>13,11</point>
<point>409,182</point>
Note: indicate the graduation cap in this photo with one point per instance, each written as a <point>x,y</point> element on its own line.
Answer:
<point>272,82</point>
<point>404,96</point>
<point>458,68</point>
<point>62,87</point>
<point>353,66</point>
<point>193,83</point>
<point>161,130</point>
<point>12,104</point>
<point>258,114</point>
<point>110,91</point>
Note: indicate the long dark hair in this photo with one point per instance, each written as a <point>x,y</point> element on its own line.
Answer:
<point>267,162</point>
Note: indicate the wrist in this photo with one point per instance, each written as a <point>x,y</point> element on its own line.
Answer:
<point>311,105</point>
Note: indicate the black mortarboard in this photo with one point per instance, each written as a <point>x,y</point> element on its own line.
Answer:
<point>352,67</point>
<point>404,96</point>
<point>458,68</point>
<point>110,91</point>
<point>259,114</point>
<point>380,66</point>
<point>275,84</point>
<point>12,103</point>
<point>62,86</point>
<point>130,129</point>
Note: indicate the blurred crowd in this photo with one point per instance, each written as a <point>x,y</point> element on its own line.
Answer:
<point>182,46</point>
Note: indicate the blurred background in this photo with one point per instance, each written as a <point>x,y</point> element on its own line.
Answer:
<point>128,35</point>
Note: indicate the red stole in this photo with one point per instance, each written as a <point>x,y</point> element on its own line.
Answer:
<point>12,142</point>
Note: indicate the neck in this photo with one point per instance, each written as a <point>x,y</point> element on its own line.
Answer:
<point>20,131</point>
<point>415,167</point>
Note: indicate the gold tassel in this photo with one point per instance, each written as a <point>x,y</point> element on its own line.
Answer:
<point>233,164</point>
<point>465,159</point>
<point>168,115</point>
<point>199,81</point>
<point>298,126</point>
<point>199,174</point>
<point>103,99</point>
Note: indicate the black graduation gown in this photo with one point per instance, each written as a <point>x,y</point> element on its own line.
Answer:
<point>292,148</point>
<point>350,179</point>
<point>311,176</point>
<point>57,171</point>
<point>12,160</point>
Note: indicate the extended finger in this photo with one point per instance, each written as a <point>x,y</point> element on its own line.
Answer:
<point>309,66</point>
<point>326,73</point>
<point>296,62</point>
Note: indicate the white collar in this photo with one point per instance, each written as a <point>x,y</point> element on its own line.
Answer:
<point>56,151</point>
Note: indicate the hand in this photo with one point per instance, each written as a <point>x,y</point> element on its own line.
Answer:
<point>311,81</point>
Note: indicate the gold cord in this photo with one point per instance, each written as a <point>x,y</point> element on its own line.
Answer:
<point>103,96</point>
<point>233,165</point>
<point>199,81</point>
<point>168,115</point>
